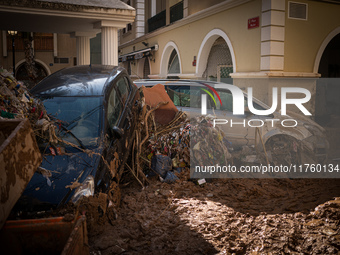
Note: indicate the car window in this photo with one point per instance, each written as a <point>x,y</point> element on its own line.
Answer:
<point>123,87</point>
<point>114,108</point>
<point>184,96</point>
<point>227,101</point>
<point>117,100</point>
<point>79,117</point>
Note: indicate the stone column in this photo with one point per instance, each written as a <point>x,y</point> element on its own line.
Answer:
<point>109,45</point>
<point>83,50</point>
<point>83,46</point>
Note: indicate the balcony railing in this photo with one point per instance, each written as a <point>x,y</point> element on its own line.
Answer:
<point>176,12</point>
<point>157,21</point>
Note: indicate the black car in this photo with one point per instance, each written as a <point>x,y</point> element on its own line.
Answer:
<point>95,108</point>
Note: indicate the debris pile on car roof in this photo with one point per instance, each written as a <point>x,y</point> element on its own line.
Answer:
<point>16,102</point>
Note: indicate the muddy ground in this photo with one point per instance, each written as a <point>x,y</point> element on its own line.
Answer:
<point>224,216</point>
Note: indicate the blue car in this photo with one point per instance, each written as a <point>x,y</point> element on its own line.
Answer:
<point>95,108</point>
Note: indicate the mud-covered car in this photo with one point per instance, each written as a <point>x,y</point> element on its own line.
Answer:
<point>95,109</point>
<point>304,143</point>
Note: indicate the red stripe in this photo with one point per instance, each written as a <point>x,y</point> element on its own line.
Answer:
<point>213,90</point>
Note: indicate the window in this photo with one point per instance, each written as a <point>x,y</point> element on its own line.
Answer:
<point>114,108</point>
<point>117,101</point>
<point>185,96</point>
<point>123,87</point>
<point>227,101</point>
<point>297,10</point>
<point>173,66</point>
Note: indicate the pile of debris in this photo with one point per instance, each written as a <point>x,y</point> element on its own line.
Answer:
<point>163,144</point>
<point>17,103</point>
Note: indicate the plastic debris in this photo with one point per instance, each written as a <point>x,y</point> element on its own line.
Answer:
<point>170,177</point>
<point>161,164</point>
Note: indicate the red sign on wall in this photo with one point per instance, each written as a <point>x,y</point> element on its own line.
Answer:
<point>254,22</point>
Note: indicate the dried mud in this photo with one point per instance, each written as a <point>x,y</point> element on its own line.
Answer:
<point>223,216</point>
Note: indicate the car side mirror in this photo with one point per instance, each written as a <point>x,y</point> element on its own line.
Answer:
<point>117,132</point>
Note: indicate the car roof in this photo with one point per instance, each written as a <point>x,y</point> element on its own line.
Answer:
<point>184,82</point>
<point>179,82</point>
<point>85,80</point>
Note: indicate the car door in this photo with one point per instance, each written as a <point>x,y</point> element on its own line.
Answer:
<point>119,127</point>
<point>234,126</point>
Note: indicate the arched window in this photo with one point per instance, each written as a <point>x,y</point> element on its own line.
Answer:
<point>173,66</point>
<point>22,75</point>
<point>219,64</point>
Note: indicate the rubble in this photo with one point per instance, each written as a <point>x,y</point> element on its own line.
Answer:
<point>173,214</point>
<point>17,103</point>
<point>225,216</point>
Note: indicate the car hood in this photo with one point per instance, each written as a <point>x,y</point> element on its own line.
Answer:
<point>51,185</point>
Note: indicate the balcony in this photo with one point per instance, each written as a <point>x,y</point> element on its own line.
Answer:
<point>176,12</point>
<point>157,21</point>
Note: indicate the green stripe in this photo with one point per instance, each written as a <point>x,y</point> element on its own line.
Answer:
<point>210,95</point>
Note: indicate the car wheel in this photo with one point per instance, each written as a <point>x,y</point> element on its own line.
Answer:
<point>283,150</point>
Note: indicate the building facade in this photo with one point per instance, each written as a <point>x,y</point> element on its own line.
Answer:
<point>61,31</point>
<point>52,52</point>
<point>258,43</point>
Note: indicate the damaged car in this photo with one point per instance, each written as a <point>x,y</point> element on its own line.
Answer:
<point>288,139</point>
<point>95,110</point>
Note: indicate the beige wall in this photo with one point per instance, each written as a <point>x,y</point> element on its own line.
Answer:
<point>198,5</point>
<point>188,38</point>
<point>303,39</point>
<point>66,49</point>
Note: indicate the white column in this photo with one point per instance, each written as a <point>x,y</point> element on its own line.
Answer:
<point>109,45</point>
<point>185,8</point>
<point>140,16</point>
<point>272,35</point>
<point>153,8</point>
<point>83,50</point>
<point>83,46</point>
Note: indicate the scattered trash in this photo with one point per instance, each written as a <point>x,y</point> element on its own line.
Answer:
<point>170,177</point>
<point>161,164</point>
<point>17,103</point>
<point>201,181</point>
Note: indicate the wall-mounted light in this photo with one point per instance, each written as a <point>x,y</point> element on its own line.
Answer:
<point>145,44</point>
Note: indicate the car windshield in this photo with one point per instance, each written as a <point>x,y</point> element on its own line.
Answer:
<point>78,118</point>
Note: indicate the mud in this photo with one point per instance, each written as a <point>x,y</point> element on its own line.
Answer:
<point>223,216</point>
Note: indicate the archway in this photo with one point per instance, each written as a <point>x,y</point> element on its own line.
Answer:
<point>143,68</point>
<point>330,60</point>
<point>146,68</point>
<point>216,57</point>
<point>328,66</point>
<point>170,61</point>
<point>22,75</point>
